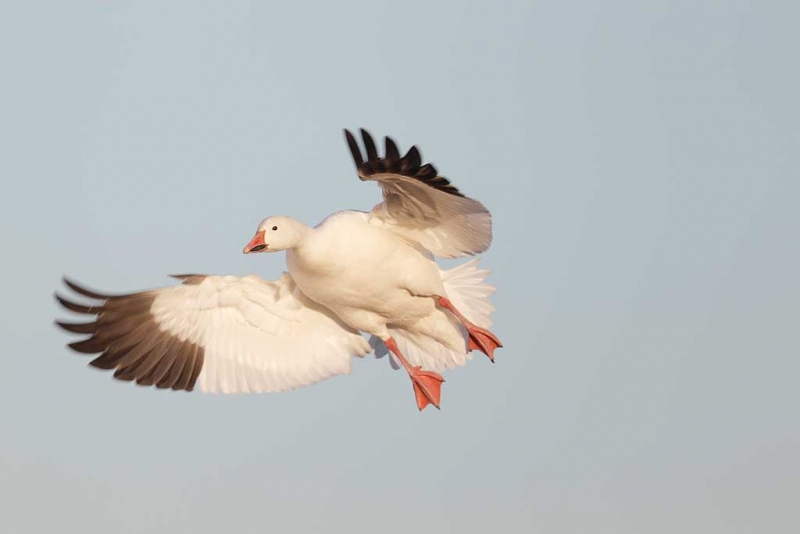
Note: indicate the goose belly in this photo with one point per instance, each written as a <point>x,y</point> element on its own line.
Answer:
<point>365,275</point>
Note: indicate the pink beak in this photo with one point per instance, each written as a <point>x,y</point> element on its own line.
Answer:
<point>257,244</point>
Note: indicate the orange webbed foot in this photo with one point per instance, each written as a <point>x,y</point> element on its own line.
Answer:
<point>483,340</point>
<point>427,387</point>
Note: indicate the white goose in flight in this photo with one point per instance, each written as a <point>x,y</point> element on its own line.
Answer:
<point>354,272</point>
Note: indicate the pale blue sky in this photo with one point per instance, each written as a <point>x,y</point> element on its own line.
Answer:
<point>642,163</point>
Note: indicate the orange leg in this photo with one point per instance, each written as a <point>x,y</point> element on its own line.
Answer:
<point>479,338</point>
<point>427,384</point>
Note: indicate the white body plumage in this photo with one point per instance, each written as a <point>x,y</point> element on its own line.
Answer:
<point>373,279</point>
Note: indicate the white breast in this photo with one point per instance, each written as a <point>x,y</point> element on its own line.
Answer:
<point>350,265</point>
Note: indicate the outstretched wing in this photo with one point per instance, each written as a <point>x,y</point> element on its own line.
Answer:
<point>420,205</point>
<point>217,333</point>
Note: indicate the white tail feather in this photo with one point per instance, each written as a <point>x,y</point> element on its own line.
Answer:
<point>466,288</point>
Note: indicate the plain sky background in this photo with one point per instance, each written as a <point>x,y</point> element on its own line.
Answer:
<point>641,162</point>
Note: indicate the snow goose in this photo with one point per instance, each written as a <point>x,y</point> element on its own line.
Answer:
<point>356,272</point>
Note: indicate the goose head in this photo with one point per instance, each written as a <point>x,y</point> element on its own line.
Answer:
<point>277,233</point>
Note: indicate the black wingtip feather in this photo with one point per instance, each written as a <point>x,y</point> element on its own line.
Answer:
<point>410,163</point>
<point>426,172</point>
<point>354,149</point>
<point>107,360</point>
<point>392,153</point>
<point>369,144</point>
<point>413,157</point>
<point>77,308</point>
<point>83,291</point>
<point>78,328</point>
<point>88,346</point>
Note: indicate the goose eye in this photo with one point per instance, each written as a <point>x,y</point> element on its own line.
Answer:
<point>274,228</point>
